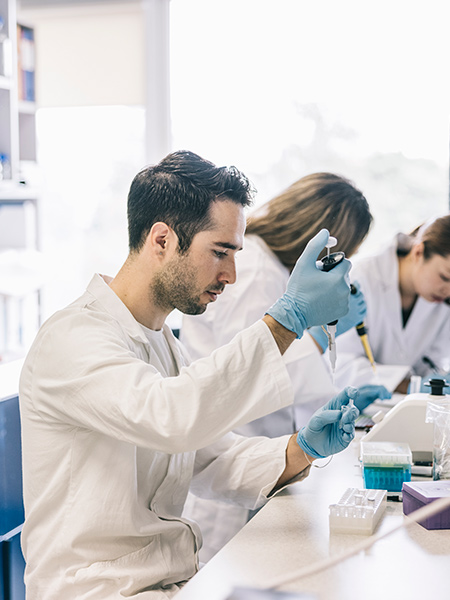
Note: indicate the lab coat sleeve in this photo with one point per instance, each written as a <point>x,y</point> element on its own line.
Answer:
<point>240,470</point>
<point>85,375</point>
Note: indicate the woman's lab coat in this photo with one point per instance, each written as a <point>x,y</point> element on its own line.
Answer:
<point>110,447</point>
<point>261,280</point>
<point>427,331</point>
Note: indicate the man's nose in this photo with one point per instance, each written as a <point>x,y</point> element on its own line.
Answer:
<point>228,275</point>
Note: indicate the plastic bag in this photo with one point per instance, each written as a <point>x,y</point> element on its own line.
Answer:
<point>438,413</point>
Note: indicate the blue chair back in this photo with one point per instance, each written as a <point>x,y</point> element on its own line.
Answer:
<point>11,501</point>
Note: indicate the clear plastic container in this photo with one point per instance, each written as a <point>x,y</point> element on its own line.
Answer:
<point>438,413</point>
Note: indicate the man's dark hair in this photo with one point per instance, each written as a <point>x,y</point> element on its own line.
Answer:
<point>179,191</point>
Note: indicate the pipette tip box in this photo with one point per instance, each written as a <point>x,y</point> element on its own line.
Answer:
<point>358,511</point>
<point>386,465</point>
<point>420,493</point>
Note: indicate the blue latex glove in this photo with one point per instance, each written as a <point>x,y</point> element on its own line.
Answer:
<point>331,428</point>
<point>356,312</point>
<point>369,393</point>
<point>313,297</point>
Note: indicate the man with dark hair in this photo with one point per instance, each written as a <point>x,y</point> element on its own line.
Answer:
<point>117,425</point>
<point>179,191</point>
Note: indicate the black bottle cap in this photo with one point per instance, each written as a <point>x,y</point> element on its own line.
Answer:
<point>437,386</point>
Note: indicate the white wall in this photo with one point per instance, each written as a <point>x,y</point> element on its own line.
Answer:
<point>89,55</point>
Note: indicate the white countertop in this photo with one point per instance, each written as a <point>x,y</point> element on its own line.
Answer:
<point>292,532</point>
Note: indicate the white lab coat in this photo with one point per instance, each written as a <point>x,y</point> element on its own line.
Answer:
<point>261,280</point>
<point>427,331</point>
<point>110,447</point>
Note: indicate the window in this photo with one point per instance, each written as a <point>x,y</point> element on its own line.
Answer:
<point>282,89</point>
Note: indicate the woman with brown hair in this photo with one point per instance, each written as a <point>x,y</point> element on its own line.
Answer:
<point>320,200</point>
<point>407,290</point>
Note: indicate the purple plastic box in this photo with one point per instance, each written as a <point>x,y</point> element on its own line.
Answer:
<point>417,494</point>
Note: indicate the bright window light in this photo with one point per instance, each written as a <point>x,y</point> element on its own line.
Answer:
<point>283,89</point>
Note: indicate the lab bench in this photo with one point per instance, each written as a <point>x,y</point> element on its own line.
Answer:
<point>292,531</point>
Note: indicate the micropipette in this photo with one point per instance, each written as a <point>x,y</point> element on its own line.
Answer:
<point>327,263</point>
<point>362,332</point>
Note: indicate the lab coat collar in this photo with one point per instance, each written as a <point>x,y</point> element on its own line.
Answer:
<point>113,305</point>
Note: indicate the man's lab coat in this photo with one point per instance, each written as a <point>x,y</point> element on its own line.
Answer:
<point>427,331</point>
<point>110,447</point>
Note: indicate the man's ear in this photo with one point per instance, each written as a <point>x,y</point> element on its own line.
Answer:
<point>161,238</point>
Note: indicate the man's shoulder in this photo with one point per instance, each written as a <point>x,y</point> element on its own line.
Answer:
<point>81,322</point>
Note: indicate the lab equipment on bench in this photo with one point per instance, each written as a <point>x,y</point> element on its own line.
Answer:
<point>385,465</point>
<point>358,511</point>
<point>327,263</point>
<point>407,423</point>
<point>420,493</point>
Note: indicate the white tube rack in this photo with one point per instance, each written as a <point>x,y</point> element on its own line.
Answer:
<point>358,511</point>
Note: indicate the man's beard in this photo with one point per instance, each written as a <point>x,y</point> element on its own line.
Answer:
<point>174,287</point>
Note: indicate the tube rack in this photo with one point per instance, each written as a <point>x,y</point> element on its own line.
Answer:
<point>358,511</point>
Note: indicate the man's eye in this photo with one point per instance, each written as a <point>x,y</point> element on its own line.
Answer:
<point>444,278</point>
<point>220,254</point>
